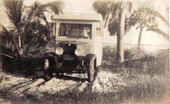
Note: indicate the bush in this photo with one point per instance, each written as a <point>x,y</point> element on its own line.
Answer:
<point>136,61</point>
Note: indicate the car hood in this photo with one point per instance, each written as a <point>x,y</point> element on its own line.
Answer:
<point>84,46</point>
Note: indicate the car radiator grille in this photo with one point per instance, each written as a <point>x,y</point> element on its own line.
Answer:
<point>69,49</point>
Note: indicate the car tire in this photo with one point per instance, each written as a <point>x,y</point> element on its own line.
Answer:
<point>1,75</point>
<point>91,70</point>
<point>47,75</point>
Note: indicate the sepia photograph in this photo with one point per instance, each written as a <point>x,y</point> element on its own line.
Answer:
<point>84,52</point>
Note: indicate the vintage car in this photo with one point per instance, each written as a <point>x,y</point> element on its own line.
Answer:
<point>78,45</point>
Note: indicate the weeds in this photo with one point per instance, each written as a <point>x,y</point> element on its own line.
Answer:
<point>145,73</point>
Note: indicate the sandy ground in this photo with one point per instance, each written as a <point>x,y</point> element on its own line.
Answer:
<point>22,87</point>
<point>16,89</point>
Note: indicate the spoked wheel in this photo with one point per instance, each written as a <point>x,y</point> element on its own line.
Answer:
<point>91,70</point>
<point>47,75</point>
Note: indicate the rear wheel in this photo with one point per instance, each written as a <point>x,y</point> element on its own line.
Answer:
<point>91,70</point>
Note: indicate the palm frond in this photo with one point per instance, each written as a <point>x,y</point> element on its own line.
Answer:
<point>55,6</point>
<point>38,10</point>
<point>113,26</point>
<point>100,7</point>
<point>157,30</point>
<point>14,10</point>
<point>157,14</point>
<point>147,11</point>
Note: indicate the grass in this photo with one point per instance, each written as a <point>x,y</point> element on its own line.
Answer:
<point>145,73</point>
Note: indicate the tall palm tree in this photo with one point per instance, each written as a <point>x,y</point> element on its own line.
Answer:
<point>146,17</point>
<point>124,8</point>
<point>118,11</point>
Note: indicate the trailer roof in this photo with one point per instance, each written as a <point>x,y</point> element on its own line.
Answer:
<point>88,17</point>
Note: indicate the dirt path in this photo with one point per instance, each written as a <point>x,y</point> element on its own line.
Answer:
<point>20,87</point>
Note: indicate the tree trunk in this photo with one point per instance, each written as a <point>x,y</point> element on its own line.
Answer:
<point>140,38</point>
<point>120,36</point>
<point>106,20</point>
<point>19,39</point>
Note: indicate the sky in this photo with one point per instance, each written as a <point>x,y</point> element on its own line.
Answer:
<point>85,6</point>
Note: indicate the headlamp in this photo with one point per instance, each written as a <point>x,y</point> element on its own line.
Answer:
<point>59,51</point>
<point>78,52</point>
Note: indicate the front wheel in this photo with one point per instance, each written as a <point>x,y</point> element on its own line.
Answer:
<point>1,75</point>
<point>47,75</point>
<point>91,70</point>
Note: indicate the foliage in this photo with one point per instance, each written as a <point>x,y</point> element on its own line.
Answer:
<point>146,17</point>
<point>34,35</point>
<point>114,23</point>
<point>137,61</point>
<point>7,42</point>
<point>144,72</point>
<point>14,10</point>
<point>104,8</point>
<point>110,11</point>
<point>14,13</point>
<point>159,31</point>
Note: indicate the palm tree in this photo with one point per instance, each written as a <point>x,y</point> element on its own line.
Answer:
<point>103,8</point>
<point>14,13</point>
<point>32,26</point>
<point>146,17</point>
<point>25,20</point>
<point>118,11</point>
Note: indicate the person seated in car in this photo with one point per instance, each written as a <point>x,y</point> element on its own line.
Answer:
<point>85,32</point>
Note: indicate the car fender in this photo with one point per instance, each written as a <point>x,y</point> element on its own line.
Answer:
<point>90,57</point>
<point>52,56</point>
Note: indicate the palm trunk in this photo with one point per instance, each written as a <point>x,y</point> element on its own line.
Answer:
<point>19,39</point>
<point>18,51</point>
<point>106,19</point>
<point>120,36</point>
<point>140,38</point>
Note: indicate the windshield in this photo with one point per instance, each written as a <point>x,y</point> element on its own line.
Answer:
<point>75,30</point>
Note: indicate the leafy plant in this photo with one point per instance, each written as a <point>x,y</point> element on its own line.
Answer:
<point>27,21</point>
